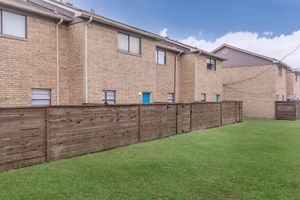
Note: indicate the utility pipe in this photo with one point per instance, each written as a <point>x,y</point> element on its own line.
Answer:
<point>196,77</point>
<point>175,75</point>
<point>86,58</point>
<point>57,62</point>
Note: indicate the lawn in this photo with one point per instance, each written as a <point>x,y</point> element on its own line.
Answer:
<point>257,159</point>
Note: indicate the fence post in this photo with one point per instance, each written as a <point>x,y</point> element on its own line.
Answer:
<point>176,118</point>
<point>241,111</point>
<point>139,123</point>
<point>221,112</point>
<point>48,150</point>
<point>191,113</point>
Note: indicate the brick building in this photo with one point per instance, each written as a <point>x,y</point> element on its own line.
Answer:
<point>256,80</point>
<point>54,53</point>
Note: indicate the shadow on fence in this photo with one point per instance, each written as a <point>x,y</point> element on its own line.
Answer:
<point>29,136</point>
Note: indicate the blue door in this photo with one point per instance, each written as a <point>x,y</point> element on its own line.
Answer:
<point>146,98</point>
<point>218,98</point>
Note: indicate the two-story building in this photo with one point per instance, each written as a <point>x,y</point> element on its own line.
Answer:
<point>54,53</point>
<point>256,80</point>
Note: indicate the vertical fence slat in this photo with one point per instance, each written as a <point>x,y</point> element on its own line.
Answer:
<point>139,123</point>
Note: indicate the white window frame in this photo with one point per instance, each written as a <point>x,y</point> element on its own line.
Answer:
<point>42,99</point>
<point>203,97</point>
<point>105,98</point>
<point>129,50</point>
<point>157,56</point>
<point>2,30</point>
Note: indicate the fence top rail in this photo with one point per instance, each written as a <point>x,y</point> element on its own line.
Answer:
<point>106,105</point>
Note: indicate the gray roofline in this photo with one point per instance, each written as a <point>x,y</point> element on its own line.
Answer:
<point>34,10</point>
<point>86,14</point>
<point>273,60</point>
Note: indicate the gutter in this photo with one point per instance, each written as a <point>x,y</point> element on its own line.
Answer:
<point>33,10</point>
<point>196,77</point>
<point>57,62</point>
<point>209,54</point>
<point>86,58</point>
<point>122,26</point>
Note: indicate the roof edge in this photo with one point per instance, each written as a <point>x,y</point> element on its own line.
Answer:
<point>34,10</point>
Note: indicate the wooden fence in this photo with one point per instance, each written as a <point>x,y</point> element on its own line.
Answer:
<point>287,110</point>
<point>30,136</point>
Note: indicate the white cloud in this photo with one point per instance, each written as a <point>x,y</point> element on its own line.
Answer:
<point>268,34</point>
<point>164,32</point>
<point>275,47</point>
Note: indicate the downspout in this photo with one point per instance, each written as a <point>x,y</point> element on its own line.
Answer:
<point>57,62</point>
<point>175,76</point>
<point>196,77</point>
<point>86,58</point>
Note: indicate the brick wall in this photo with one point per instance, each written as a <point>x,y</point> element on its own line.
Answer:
<point>28,63</point>
<point>258,94</point>
<point>293,86</point>
<point>31,63</point>
<point>109,69</point>
<point>196,79</point>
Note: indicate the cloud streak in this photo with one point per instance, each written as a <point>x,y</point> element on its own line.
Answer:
<point>267,44</point>
<point>164,32</point>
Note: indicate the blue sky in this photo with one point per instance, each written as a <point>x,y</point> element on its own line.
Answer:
<point>208,23</point>
<point>210,18</point>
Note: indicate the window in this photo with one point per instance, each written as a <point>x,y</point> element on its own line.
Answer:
<point>161,57</point>
<point>12,24</point>
<point>282,97</point>
<point>203,97</point>
<point>171,98</point>
<point>296,77</point>
<point>211,64</point>
<point>280,71</point>
<point>109,96</point>
<point>41,97</point>
<point>129,43</point>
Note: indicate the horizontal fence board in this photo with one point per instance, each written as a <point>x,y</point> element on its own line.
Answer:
<point>287,110</point>
<point>30,136</point>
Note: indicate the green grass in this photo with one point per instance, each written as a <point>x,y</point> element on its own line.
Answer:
<point>258,159</point>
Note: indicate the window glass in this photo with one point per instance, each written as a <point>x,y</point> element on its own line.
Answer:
<point>203,97</point>
<point>134,45</point>
<point>109,96</point>
<point>41,97</point>
<point>13,24</point>
<point>211,64</point>
<point>171,98</point>
<point>160,57</point>
<point>0,22</point>
<point>123,42</point>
